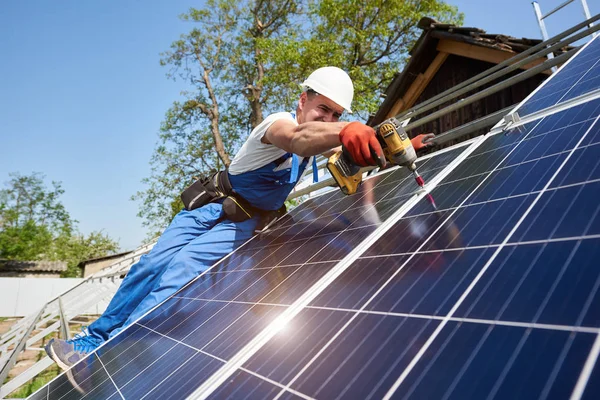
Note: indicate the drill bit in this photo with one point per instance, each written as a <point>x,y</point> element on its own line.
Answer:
<point>418,178</point>
<point>421,182</point>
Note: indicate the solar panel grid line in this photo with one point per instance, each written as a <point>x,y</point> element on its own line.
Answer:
<point>554,374</point>
<point>528,325</point>
<point>481,273</point>
<point>182,365</point>
<point>104,368</point>
<point>488,246</point>
<point>529,161</point>
<point>243,355</point>
<point>235,301</point>
<point>547,81</point>
<point>111,379</point>
<point>297,393</point>
<point>586,372</point>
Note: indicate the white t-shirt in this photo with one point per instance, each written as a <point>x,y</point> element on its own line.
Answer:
<point>255,154</point>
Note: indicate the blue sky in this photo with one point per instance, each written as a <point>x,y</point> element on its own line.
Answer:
<point>82,93</point>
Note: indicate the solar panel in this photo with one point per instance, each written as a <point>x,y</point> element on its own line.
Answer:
<point>492,290</point>
<point>575,78</point>
<point>180,344</point>
<point>495,293</point>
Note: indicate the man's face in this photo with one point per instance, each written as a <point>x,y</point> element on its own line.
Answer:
<point>316,107</point>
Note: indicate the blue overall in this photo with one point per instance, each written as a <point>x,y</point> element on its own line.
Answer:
<point>193,242</point>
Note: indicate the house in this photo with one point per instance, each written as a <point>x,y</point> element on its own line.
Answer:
<point>446,55</point>
<point>31,269</point>
<point>94,265</point>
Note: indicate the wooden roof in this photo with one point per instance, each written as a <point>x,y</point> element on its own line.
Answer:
<point>431,50</point>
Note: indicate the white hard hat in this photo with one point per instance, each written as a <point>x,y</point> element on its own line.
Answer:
<point>332,82</point>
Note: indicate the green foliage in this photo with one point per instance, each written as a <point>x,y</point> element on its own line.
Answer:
<point>246,58</point>
<point>34,225</point>
<point>369,40</point>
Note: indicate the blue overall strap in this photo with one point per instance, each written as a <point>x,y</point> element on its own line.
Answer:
<point>294,171</point>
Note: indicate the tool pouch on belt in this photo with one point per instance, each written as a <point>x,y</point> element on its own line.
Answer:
<point>203,191</point>
<point>217,187</point>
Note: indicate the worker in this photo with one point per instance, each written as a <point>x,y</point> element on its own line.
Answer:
<point>261,176</point>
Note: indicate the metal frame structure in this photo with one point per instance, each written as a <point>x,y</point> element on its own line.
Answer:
<point>58,313</point>
<point>540,19</point>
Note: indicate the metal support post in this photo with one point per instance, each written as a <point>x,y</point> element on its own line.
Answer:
<point>586,12</point>
<point>542,25</point>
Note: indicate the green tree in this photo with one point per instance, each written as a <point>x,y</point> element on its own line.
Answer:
<point>34,225</point>
<point>245,58</point>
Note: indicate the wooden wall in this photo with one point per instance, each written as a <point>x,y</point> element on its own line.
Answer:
<point>457,69</point>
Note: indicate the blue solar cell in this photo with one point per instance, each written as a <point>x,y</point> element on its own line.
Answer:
<point>561,213</point>
<point>140,366</point>
<point>174,383</point>
<point>475,361</point>
<point>531,176</point>
<point>368,357</point>
<point>90,379</point>
<point>429,284</point>
<point>299,341</point>
<point>551,283</point>
<point>243,385</point>
<point>578,77</point>
<point>582,166</point>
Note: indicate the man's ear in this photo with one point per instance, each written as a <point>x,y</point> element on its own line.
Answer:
<point>302,101</point>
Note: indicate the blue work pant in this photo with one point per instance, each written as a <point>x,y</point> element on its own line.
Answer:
<point>193,242</point>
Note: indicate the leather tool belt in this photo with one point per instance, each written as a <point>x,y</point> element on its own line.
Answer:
<point>218,187</point>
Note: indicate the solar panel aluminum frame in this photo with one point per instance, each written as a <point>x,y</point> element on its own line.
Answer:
<point>513,119</point>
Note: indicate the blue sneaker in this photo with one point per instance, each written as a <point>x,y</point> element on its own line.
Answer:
<point>66,353</point>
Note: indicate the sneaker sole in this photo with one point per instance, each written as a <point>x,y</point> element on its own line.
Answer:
<point>54,358</point>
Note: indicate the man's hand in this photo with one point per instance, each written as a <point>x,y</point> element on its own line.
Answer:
<point>418,141</point>
<point>362,144</point>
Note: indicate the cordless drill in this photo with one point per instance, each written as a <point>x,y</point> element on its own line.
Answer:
<point>396,146</point>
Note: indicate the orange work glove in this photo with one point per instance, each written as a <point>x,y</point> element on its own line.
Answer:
<point>418,141</point>
<point>362,144</point>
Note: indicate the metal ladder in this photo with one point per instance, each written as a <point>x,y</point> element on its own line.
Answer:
<point>540,19</point>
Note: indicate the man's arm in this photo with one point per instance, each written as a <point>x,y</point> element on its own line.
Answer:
<point>312,138</point>
<point>307,139</point>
